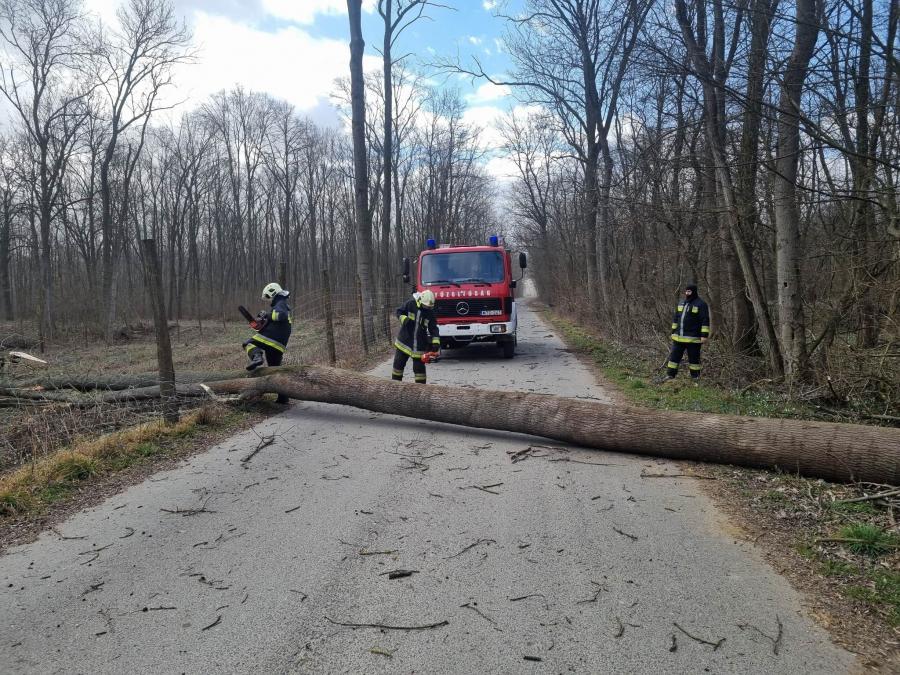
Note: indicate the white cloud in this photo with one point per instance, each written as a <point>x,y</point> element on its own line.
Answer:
<point>474,40</point>
<point>288,63</point>
<point>486,118</point>
<point>305,11</point>
<point>489,5</point>
<point>487,92</point>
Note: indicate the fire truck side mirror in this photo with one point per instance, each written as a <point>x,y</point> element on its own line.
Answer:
<point>406,270</point>
<point>523,261</point>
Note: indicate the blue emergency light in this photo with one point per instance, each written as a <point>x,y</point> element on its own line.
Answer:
<point>431,243</point>
<point>495,240</point>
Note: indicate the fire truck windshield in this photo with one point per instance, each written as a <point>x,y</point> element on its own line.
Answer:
<point>463,267</point>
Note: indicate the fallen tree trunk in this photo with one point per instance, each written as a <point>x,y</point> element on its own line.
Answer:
<point>837,452</point>
<point>111,382</point>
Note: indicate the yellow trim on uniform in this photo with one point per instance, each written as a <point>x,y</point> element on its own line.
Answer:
<point>436,341</point>
<point>274,315</point>
<point>680,308</point>
<point>406,350</point>
<point>672,364</point>
<point>695,310</point>
<point>398,373</point>
<point>704,329</point>
<point>403,319</point>
<point>250,348</point>
<point>269,343</point>
<point>421,379</point>
<point>685,339</point>
<point>695,366</point>
<point>674,326</point>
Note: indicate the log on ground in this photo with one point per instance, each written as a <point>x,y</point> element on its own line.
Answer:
<point>836,452</point>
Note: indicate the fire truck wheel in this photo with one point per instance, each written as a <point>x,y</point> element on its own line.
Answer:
<point>509,348</point>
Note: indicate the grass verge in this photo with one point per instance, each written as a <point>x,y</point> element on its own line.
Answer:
<point>32,489</point>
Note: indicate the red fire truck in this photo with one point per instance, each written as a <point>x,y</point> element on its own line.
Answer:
<point>475,292</point>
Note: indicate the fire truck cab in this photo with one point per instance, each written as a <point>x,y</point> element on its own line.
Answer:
<point>474,292</point>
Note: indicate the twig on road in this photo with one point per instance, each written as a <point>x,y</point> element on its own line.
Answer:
<point>471,546</point>
<point>532,658</point>
<point>484,488</point>
<point>351,624</point>
<point>625,534</point>
<point>676,475</point>
<point>714,645</point>
<point>472,606</point>
<point>264,442</point>
<point>674,646</point>
<point>291,510</point>
<point>64,537</point>
<point>399,574</point>
<point>294,590</point>
<point>776,641</point>
<point>189,512</point>
<point>389,552</point>
<point>213,624</point>
<point>600,588</point>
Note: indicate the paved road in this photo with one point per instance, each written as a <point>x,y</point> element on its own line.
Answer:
<point>570,557</point>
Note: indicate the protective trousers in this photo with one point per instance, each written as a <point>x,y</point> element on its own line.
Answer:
<point>400,359</point>
<point>273,358</point>
<point>693,352</point>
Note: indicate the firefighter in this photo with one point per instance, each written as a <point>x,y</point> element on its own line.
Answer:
<point>690,331</point>
<point>272,337</point>
<point>418,334</point>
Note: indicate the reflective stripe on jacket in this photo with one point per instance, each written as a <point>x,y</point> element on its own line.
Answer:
<point>690,322</point>
<point>277,331</point>
<point>419,331</point>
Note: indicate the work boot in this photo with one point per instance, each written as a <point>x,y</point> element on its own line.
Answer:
<point>256,359</point>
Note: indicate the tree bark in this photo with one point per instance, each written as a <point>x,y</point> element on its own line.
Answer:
<point>787,216</point>
<point>163,343</point>
<point>360,169</point>
<point>837,452</point>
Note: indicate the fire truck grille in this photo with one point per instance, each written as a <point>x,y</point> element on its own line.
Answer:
<point>475,308</point>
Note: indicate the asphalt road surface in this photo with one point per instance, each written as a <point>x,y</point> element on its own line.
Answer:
<point>550,561</point>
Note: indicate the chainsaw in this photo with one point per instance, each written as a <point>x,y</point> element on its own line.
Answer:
<point>258,322</point>
<point>431,357</point>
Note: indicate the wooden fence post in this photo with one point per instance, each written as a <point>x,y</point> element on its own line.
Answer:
<point>329,320</point>
<point>153,282</point>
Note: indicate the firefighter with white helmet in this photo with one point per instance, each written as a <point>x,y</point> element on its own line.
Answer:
<point>418,336</point>
<point>271,338</point>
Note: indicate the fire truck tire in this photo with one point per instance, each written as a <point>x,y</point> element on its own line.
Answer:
<point>509,348</point>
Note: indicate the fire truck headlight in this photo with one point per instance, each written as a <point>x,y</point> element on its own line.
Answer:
<point>498,328</point>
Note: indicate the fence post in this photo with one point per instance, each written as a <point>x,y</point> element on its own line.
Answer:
<point>329,320</point>
<point>362,318</point>
<point>153,282</point>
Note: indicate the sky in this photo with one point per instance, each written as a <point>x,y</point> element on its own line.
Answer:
<point>295,49</point>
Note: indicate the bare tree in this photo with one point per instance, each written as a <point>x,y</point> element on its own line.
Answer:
<point>135,64</point>
<point>42,82</point>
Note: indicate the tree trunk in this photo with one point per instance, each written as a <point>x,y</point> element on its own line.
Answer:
<point>163,344</point>
<point>5,262</point>
<point>360,169</point>
<point>388,162</point>
<point>787,226</point>
<point>837,452</point>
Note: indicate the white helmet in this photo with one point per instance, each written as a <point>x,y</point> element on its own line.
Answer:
<point>271,290</point>
<point>426,298</point>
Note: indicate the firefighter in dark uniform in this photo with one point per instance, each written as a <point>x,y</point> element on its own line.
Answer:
<point>271,339</point>
<point>418,334</point>
<point>690,331</point>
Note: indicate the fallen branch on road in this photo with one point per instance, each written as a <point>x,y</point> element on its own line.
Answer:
<point>714,645</point>
<point>351,624</point>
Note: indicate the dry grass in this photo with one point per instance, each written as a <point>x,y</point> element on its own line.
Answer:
<point>33,487</point>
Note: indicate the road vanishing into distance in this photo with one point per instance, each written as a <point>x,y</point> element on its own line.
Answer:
<point>359,542</point>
